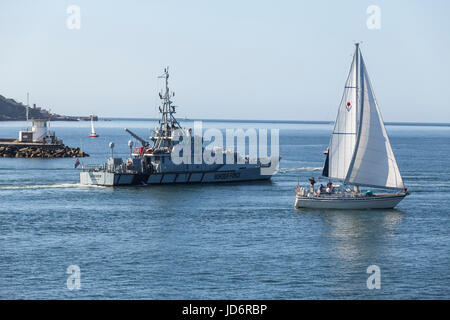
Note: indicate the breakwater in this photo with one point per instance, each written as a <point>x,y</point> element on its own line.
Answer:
<point>41,152</point>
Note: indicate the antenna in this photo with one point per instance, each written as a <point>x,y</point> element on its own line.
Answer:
<point>28,106</point>
<point>49,117</point>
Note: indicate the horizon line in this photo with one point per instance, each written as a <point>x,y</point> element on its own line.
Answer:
<point>389,123</point>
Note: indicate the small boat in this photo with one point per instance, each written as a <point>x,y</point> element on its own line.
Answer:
<point>359,153</point>
<point>93,134</point>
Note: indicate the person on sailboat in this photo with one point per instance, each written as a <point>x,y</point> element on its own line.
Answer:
<point>330,187</point>
<point>321,188</point>
<point>312,181</point>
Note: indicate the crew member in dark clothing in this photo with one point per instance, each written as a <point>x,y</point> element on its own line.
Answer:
<point>321,188</point>
<point>312,181</point>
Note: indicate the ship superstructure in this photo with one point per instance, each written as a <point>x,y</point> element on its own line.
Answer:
<point>152,162</point>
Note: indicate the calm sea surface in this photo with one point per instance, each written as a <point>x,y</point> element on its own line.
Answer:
<point>230,241</point>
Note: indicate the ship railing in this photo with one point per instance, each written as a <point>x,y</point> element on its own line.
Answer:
<point>114,168</point>
<point>92,167</point>
<point>99,167</point>
<point>122,168</point>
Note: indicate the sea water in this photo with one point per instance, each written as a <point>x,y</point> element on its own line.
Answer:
<point>220,241</point>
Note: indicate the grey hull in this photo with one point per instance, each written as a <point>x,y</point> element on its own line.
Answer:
<point>103,178</point>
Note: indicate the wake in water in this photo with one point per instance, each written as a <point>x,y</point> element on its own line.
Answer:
<point>284,170</point>
<point>46,186</point>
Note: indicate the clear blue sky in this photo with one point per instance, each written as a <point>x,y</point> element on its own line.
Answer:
<point>228,59</point>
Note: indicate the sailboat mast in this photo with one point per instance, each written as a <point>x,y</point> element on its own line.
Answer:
<point>359,110</point>
<point>358,86</point>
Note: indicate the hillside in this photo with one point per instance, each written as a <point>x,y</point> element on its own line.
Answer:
<point>11,110</point>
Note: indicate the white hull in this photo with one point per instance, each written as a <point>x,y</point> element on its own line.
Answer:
<point>102,178</point>
<point>364,202</point>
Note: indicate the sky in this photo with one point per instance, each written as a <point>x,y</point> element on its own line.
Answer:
<point>260,60</point>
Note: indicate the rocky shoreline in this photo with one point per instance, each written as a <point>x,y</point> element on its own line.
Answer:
<point>40,152</point>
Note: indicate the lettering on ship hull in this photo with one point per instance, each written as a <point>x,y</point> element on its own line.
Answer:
<point>227,175</point>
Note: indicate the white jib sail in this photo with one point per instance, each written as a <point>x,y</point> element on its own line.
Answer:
<point>343,139</point>
<point>374,163</point>
<point>92,126</point>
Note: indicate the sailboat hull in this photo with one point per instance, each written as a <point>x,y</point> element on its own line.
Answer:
<point>387,201</point>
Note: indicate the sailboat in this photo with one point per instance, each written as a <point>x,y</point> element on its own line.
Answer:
<point>359,153</point>
<point>92,134</point>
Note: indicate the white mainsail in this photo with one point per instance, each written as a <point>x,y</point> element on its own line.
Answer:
<point>372,162</point>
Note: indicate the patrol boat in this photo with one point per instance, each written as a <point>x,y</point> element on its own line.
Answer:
<point>150,165</point>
